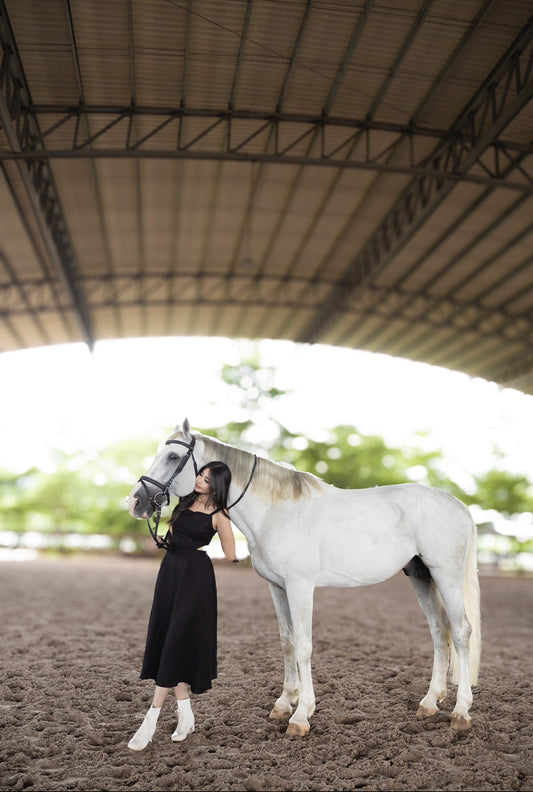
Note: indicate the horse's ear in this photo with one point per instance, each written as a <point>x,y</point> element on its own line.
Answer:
<point>186,429</point>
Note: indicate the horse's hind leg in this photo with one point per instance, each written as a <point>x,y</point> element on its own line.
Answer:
<point>431,603</point>
<point>283,707</point>
<point>452,595</point>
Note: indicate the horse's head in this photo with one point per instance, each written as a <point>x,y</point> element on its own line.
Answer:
<point>172,472</point>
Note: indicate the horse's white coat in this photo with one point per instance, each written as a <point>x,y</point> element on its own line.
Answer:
<point>320,535</point>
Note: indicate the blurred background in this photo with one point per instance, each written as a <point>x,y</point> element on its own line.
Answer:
<point>78,429</point>
<point>351,180</point>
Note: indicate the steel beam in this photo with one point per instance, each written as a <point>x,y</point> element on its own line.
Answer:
<point>335,136</point>
<point>486,321</point>
<point>501,97</point>
<point>21,129</point>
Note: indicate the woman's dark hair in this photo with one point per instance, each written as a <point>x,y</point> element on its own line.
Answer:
<point>219,490</point>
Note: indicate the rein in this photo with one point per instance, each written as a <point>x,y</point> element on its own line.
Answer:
<point>162,498</point>
<point>243,493</point>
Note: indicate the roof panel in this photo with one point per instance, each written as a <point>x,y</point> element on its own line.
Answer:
<point>325,172</point>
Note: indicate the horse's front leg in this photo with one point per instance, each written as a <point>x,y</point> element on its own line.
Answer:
<point>289,697</point>
<point>300,599</point>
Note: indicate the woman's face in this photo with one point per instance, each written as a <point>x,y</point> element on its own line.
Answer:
<point>203,482</point>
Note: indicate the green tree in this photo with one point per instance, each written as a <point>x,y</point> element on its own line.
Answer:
<point>505,492</point>
<point>351,460</point>
<point>16,497</point>
<point>84,494</point>
<point>88,494</point>
<point>252,389</point>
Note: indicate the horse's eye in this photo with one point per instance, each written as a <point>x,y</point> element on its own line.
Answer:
<point>173,456</point>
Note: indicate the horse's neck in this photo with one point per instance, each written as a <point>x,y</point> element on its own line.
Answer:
<point>232,456</point>
<point>249,516</point>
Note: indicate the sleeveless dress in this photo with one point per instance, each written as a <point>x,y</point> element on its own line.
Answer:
<point>181,641</point>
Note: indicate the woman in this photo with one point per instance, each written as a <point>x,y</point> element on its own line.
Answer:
<point>181,644</point>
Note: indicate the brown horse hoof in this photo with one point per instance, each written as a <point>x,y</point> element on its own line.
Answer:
<point>297,729</point>
<point>426,712</point>
<point>460,723</point>
<point>280,714</point>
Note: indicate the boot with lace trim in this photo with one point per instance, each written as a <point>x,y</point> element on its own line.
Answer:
<point>146,730</point>
<point>185,720</point>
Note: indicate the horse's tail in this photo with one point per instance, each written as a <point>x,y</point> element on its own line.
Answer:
<point>471,595</point>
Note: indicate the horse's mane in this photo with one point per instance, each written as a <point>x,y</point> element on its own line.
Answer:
<point>271,479</point>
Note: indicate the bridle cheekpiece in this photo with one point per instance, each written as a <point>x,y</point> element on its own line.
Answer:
<point>162,498</point>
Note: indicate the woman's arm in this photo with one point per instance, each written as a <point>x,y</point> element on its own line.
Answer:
<point>222,526</point>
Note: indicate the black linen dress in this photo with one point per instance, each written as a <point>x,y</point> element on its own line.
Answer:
<point>181,642</point>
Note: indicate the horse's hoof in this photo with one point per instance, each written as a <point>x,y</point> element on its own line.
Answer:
<point>426,712</point>
<point>461,723</point>
<point>280,714</point>
<point>297,729</point>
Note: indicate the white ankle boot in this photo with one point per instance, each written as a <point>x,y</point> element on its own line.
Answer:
<point>146,730</point>
<point>185,721</point>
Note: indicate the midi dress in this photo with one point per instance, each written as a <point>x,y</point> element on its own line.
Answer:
<point>181,641</point>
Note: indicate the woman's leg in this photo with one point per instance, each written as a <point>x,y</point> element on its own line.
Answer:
<point>182,691</point>
<point>160,694</point>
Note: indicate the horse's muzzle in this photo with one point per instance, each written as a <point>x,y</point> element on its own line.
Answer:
<point>139,505</point>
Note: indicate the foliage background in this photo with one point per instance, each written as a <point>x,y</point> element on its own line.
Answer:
<point>86,494</point>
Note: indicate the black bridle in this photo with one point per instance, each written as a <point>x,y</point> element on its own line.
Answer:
<point>162,498</point>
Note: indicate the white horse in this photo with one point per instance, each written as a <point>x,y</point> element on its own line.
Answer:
<point>303,533</point>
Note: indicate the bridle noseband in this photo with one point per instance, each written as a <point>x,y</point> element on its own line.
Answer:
<point>162,498</point>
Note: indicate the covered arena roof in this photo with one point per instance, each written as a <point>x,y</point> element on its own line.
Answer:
<point>350,173</point>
